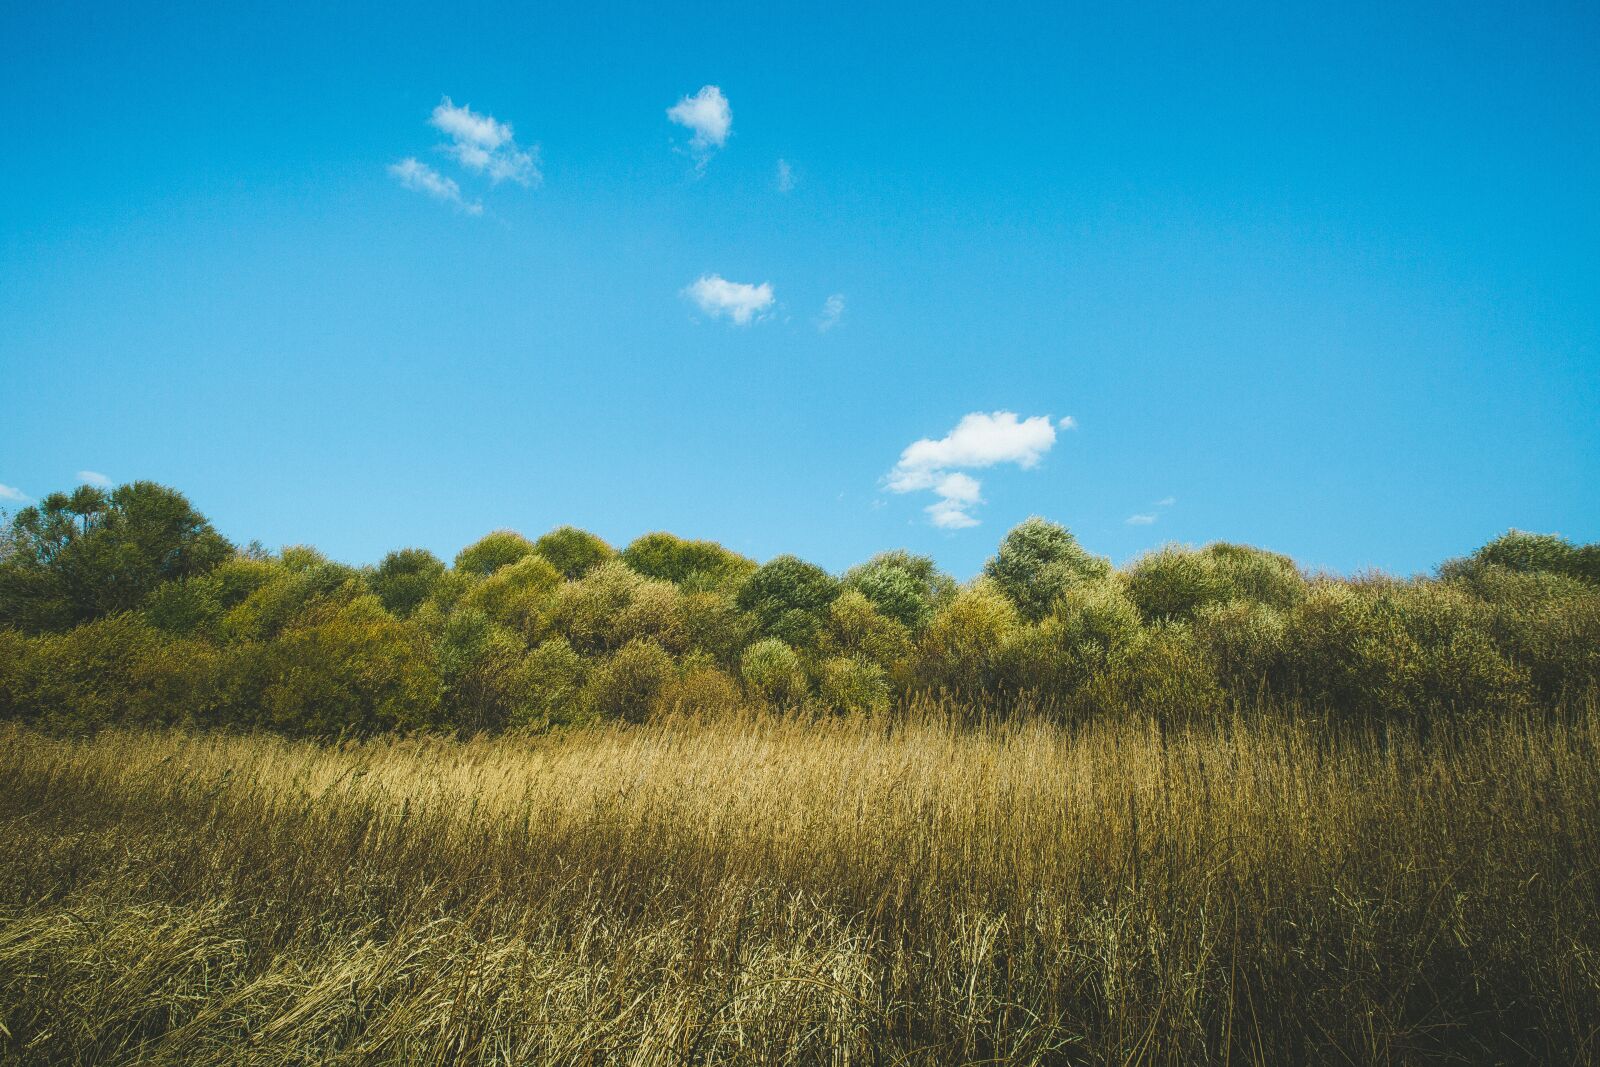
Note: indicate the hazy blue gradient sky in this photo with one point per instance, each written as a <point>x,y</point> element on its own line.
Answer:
<point>1325,278</point>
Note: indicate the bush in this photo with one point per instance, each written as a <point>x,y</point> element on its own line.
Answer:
<point>701,687</point>
<point>856,629</point>
<point>552,678</point>
<point>1531,553</point>
<point>572,551</point>
<point>1396,650</point>
<point>1175,582</point>
<point>852,685</point>
<point>84,555</point>
<point>115,670</point>
<point>1548,624</point>
<point>772,671</point>
<point>631,683</point>
<point>1086,630</point>
<point>481,666</point>
<point>405,579</point>
<point>345,668</point>
<point>969,647</point>
<point>704,564</point>
<point>789,599</point>
<point>613,605</point>
<point>487,555</point>
<point>902,586</point>
<point>518,595</point>
<point>713,625</point>
<point>1244,642</point>
<point>1037,562</point>
<point>1164,676</point>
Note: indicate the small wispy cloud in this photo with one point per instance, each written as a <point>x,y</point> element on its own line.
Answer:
<point>94,478</point>
<point>1166,501</point>
<point>708,114</point>
<point>485,145</point>
<point>740,302</point>
<point>419,177</point>
<point>979,440</point>
<point>1067,422</point>
<point>1140,520</point>
<point>832,313</point>
<point>12,493</point>
<point>786,177</point>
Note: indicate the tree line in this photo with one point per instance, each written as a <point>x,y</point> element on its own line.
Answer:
<point>129,607</point>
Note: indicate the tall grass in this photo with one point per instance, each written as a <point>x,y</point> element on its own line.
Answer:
<point>750,888</point>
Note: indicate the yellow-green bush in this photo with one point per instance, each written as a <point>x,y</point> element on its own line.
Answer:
<point>630,683</point>
<point>491,552</point>
<point>771,671</point>
<point>853,685</point>
<point>969,646</point>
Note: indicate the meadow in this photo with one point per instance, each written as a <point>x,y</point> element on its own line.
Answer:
<point>553,802</point>
<point>761,888</point>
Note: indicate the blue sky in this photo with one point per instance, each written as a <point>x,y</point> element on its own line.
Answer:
<point>1325,284</point>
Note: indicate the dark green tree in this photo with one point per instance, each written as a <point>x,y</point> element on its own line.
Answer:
<point>1037,562</point>
<point>789,598</point>
<point>82,555</point>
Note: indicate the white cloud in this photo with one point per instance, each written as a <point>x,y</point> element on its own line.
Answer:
<point>706,113</point>
<point>483,144</point>
<point>1140,520</point>
<point>832,312</point>
<point>785,176</point>
<point>94,478</point>
<point>11,492</point>
<point>415,174</point>
<point>979,440</point>
<point>1068,423</point>
<point>1166,501</point>
<point>738,301</point>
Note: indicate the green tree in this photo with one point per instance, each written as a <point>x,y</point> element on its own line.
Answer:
<point>1037,562</point>
<point>574,552</point>
<point>491,552</point>
<point>405,578</point>
<point>905,587</point>
<point>80,556</point>
<point>789,599</point>
<point>703,564</point>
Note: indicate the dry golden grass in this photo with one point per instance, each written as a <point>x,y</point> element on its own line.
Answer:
<point>756,889</point>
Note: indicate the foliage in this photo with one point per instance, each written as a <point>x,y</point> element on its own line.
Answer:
<point>80,556</point>
<point>789,598</point>
<point>405,579</point>
<point>531,636</point>
<point>491,552</point>
<point>1037,562</point>
<point>701,564</point>
<point>772,671</point>
<point>905,587</point>
<point>573,552</point>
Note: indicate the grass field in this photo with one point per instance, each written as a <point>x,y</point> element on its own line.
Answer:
<point>760,889</point>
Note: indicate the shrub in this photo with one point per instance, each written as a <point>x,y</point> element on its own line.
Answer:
<point>1037,562</point>
<point>713,625</point>
<point>404,579</point>
<point>518,595</point>
<point>1244,642</point>
<point>629,685</point>
<point>853,685</point>
<point>904,587</point>
<point>705,564</point>
<point>1546,623</point>
<point>347,667</point>
<point>701,687</point>
<point>969,646</point>
<point>1256,575</point>
<point>481,666</point>
<point>488,554</point>
<point>1164,676</point>
<point>855,628</point>
<point>87,554</point>
<point>552,681</point>
<point>1175,582</point>
<point>613,605</point>
<point>1531,553</point>
<point>789,598</point>
<point>1398,650</point>
<point>772,671</point>
<point>118,669</point>
<point>572,551</point>
<point>1088,627</point>
<point>297,585</point>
